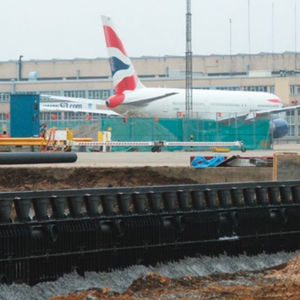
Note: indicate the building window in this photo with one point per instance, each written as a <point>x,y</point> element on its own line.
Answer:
<point>3,117</point>
<point>4,97</point>
<point>69,115</point>
<point>292,90</point>
<point>290,118</point>
<point>256,88</point>
<point>291,131</point>
<point>52,93</point>
<point>48,116</point>
<point>105,94</point>
<point>229,88</point>
<point>94,94</point>
<point>75,94</point>
<point>98,94</point>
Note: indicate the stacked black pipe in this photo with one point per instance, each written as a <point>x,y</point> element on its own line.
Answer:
<point>48,233</point>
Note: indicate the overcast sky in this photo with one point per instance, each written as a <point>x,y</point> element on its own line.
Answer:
<point>46,29</point>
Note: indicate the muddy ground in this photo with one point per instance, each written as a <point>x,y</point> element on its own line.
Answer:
<point>281,282</point>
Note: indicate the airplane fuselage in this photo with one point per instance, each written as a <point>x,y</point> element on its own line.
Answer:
<point>206,104</point>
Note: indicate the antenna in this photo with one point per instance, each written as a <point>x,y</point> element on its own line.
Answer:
<point>272,27</point>
<point>230,45</point>
<point>272,36</point>
<point>188,63</point>
<point>249,39</point>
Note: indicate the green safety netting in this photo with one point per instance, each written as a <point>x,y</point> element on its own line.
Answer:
<point>254,134</point>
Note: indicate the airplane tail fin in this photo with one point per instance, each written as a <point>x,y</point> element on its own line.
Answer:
<point>123,73</point>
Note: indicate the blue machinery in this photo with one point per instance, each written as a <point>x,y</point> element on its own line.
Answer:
<point>24,115</point>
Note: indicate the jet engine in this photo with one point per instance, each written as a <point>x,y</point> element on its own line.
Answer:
<point>115,100</point>
<point>280,128</point>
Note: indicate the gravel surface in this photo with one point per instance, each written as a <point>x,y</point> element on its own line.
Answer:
<point>120,280</point>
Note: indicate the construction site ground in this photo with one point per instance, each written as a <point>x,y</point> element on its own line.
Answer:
<point>41,178</point>
<point>94,170</point>
<point>280,282</point>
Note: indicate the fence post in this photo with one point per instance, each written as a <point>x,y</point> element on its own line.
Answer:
<point>236,127</point>
<point>254,133</point>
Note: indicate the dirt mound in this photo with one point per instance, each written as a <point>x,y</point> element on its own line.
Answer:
<point>290,270</point>
<point>62,178</point>
<point>103,294</point>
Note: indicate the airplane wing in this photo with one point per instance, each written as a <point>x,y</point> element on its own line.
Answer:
<point>144,102</point>
<point>57,106</point>
<point>255,114</point>
<point>61,103</point>
<point>276,110</point>
<point>71,99</point>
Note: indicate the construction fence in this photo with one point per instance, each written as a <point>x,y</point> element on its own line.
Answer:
<point>254,134</point>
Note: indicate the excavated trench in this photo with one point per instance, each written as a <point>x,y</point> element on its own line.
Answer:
<point>46,178</point>
<point>222,277</point>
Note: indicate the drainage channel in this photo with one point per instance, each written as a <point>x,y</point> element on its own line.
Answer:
<point>46,234</point>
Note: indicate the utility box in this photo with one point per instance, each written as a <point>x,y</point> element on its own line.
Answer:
<point>24,115</point>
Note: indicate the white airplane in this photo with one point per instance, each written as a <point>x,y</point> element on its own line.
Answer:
<point>133,99</point>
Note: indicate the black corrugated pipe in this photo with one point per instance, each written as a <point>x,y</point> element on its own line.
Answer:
<point>37,157</point>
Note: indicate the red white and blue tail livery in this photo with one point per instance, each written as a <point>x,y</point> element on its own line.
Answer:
<point>123,74</point>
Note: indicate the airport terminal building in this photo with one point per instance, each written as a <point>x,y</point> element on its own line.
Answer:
<point>91,78</point>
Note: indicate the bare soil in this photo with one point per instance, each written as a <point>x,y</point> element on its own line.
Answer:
<point>22,179</point>
<point>45,178</point>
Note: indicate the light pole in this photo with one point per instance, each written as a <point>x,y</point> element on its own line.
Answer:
<point>188,63</point>
<point>249,37</point>
<point>20,68</point>
<point>295,35</point>
<point>230,45</point>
